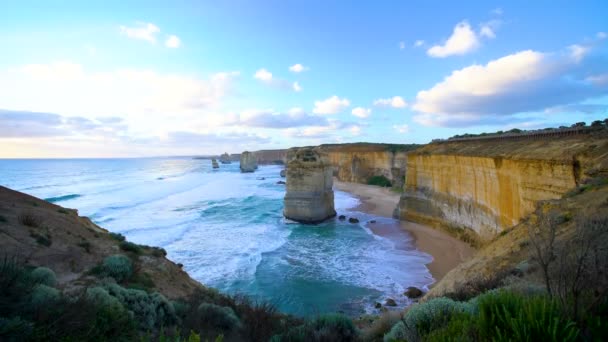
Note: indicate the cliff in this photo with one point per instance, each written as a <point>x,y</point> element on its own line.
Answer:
<point>488,186</point>
<point>268,157</point>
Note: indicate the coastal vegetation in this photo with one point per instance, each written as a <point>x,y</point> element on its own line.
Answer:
<point>379,181</point>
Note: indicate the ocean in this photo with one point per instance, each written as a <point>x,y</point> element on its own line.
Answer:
<point>228,231</point>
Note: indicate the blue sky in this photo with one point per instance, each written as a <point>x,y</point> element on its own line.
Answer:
<point>135,78</point>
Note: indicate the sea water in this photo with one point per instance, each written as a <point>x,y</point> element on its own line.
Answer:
<point>228,231</point>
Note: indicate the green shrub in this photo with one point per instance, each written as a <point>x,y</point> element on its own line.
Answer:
<point>434,314</point>
<point>41,239</point>
<point>151,310</point>
<point>158,252</point>
<point>15,329</point>
<point>86,245</point>
<point>130,247</point>
<point>379,181</point>
<point>118,267</point>
<point>118,237</point>
<point>44,276</point>
<point>221,317</point>
<point>330,327</point>
<point>101,297</point>
<point>397,333</point>
<point>505,316</point>
<point>43,296</point>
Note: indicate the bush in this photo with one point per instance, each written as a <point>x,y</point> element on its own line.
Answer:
<point>118,237</point>
<point>379,181</point>
<point>118,267</point>
<point>43,296</point>
<point>397,333</point>
<point>44,276</point>
<point>221,317</point>
<point>151,311</point>
<point>422,318</point>
<point>506,316</point>
<point>130,247</point>
<point>331,327</point>
<point>15,329</point>
<point>44,240</point>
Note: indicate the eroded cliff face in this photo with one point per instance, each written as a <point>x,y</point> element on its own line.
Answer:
<point>358,162</point>
<point>265,157</point>
<point>490,186</point>
<point>309,196</point>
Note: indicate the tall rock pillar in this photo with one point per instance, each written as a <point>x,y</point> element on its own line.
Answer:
<point>248,162</point>
<point>309,197</point>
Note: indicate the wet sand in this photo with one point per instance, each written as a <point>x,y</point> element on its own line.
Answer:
<point>447,251</point>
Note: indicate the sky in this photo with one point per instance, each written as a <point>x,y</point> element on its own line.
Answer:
<point>159,78</point>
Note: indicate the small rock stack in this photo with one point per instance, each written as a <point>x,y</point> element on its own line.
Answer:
<point>248,162</point>
<point>309,197</point>
<point>214,164</point>
<point>225,159</point>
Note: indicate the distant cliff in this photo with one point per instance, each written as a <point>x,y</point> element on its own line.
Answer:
<point>488,186</point>
<point>270,157</point>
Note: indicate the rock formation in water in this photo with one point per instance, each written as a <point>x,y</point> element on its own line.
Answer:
<point>225,159</point>
<point>214,164</point>
<point>248,162</point>
<point>282,173</point>
<point>309,197</point>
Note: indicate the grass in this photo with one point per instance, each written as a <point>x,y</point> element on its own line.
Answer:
<point>44,240</point>
<point>85,245</point>
<point>63,211</point>
<point>30,220</point>
<point>131,247</point>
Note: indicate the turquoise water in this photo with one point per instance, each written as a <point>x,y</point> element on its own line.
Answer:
<point>228,230</point>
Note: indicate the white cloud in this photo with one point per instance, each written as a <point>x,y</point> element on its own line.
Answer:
<point>149,101</point>
<point>600,79</point>
<point>266,77</point>
<point>295,117</point>
<point>497,11</point>
<point>361,112</point>
<point>402,128</point>
<point>523,82</point>
<point>173,42</point>
<point>401,45</point>
<point>326,130</point>
<point>462,41</point>
<point>486,31</point>
<point>143,31</point>
<point>418,43</point>
<point>578,52</point>
<point>263,75</point>
<point>395,102</point>
<point>331,105</point>
<point>297,68</point>
<point>602,35</point>
<point>355,130</point>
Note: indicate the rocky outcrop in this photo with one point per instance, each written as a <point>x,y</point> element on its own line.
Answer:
<point>282,173</point>
<point>489,186</point>
<point>309,197</point>
<point>225,159</point>
<point>248,162</point>
<point>214,164</point>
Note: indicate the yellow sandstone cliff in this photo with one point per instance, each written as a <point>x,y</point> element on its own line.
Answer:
<point>488,186</point>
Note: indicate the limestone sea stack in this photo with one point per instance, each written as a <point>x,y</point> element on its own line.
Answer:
<point>248,162</point>
<point>225,159</point>
<point>214,164</point>
<point>309,197</point>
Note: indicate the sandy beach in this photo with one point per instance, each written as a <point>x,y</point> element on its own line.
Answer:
<point>446,250</point>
